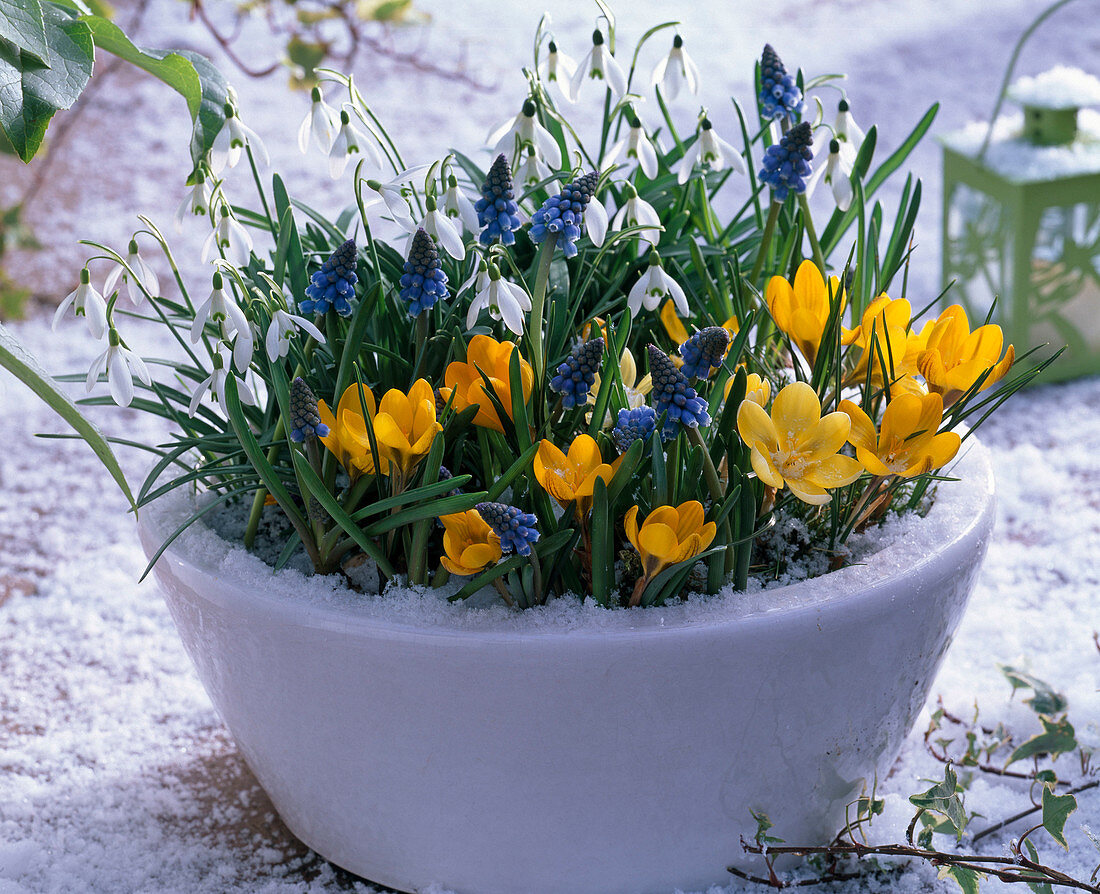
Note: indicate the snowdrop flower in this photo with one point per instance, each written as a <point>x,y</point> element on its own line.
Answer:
<point>220,308</point>
<point>87,303</point>
<point>639,150</point>
<point>837,172</point>
<point>230,143</point>
<point>504,300</point>
<point>282,329</point>
<point>479,279</point>
<point>708,149</point>
<point>533,171</point>
<point>197,202</point>
<point>675,70</point>
<point>524,130</point>
<point>636,211</point>
<point>847,132</point>
<point>652,286</point>
<point>596,221</point>
<point>319,123</point>
<point>438,225</point>
<point>392,193</point>
<point>139,276</point>
<point>559,70</point>
<point>599,64</point>
<point>457,205</point>
<point>231,237</point>
<point>349,141</point>
<point>215,383</point>
<point>121,365</point>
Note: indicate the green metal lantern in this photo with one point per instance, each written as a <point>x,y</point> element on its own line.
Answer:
<point>1021,219</point>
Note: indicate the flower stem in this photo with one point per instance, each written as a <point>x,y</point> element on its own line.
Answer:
<point>815,246</point>
<point>710,473</point>
<point>765,241</point>
<point>538,301</point>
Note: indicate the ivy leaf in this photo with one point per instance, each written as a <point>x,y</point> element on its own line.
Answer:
<point>1037,887</point>
<point>1056,810</point>
<point>1045,700</point>
<point>943,798</point>
<point>1056,738</point>
<point>23,24</point>
<point>31,92</point>
<point>966,878</point>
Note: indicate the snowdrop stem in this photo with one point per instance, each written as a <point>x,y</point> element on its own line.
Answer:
<point>815,246</point>
<point>255,513</point>
<point>606,130</point>
<point>765,242</point>
<point>538,301</point>
<point>668,121</point>
<point>421,338</point>
<point>704,208</point>
<point>260,191</point>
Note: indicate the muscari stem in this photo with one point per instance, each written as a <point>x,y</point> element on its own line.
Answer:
<point>765,241</point>
<point>538,301</point>
<point>815,246</point>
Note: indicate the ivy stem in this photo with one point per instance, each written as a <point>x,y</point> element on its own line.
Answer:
<point>765,241</point>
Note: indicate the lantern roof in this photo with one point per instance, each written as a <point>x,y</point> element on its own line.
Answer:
<point>1061,87</point>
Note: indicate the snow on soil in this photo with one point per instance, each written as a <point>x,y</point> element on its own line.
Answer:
<point>115,773</point>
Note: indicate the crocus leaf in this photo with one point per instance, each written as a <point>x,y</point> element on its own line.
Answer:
<point>15,358</point>
<point>1056,810</point>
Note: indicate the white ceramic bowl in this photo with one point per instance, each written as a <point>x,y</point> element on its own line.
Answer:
<point>618,754</point>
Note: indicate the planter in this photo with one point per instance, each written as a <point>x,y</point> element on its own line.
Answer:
<point>572,749</point>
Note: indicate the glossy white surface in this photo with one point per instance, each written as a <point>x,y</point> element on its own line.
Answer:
<point>617,759</point>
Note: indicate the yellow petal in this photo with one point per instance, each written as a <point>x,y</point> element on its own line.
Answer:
<point>902,417</point>
<point>765,470</point>
<point>628,369</point>
<point>756,427</point>
<point>943,448</point>
<point>809,290</point>
<point>672,324</point>
<point>664,515</point>
<point>584,455</point>
<point>809,493</point>
<point>658,541</point>
<point>630,523</point>
<point>862,433</point>
<point>836,471</point>
<point>796,409</point>
<point>871,462</point>
<point>350,400</point>
<point>825,438</point>
<point>690,518</point>
<point>389,435</point>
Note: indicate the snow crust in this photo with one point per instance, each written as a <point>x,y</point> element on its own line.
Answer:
<point>1061,87</point>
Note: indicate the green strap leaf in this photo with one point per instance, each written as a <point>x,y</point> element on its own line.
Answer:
<point>31,92</point>
<point>22,22</point>
<point>15,358</point>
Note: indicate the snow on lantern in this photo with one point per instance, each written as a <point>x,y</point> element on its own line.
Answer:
<point>1021,216</point>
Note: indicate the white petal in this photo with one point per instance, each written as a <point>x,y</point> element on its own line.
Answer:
<point>202,314</point>
<point>96,369</point>
<point>197,394</point>
<point>686,164</point>
<point>95,312</point>
<point>634,298</point>
<point>499,132</point>
<point>240,243</point>
<point>447,235</point>
<point>730,155</point>
<point>615,75</point>
<point>399,208</point>
<point>612,155</point>
<point>620,217</point>
<point>691,73</point>
<point>147,275</point>
<point>137,365</point>
<point>245,393</point>
<point>583,70</point>
<point>259,151</point>
<point>480,302</point>
<point>181,213</point>
<point>515,291</point>
<point>510,312</point>
<point>647,158</point>
<point>209,251</point>
<point>677,294</point>
<point>273,343</point>
<point>304,131</point>
<point>548,147</point>
<point>112,277</point>
<point>308,327</point>
<point>61,308</point>
<point>338,154</point>
<point>220,150</point>
<point>595,221</point>
<point>119,379</point>
<point>842,191</point>
<point>659,72</point>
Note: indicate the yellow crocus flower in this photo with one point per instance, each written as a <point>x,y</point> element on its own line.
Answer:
<point>463,379</point>
<point>907,443</point>
<point>636,390</point>
<point>676,330</point>
<point>669,535</point>
<point>469,544</point>
<point>796,446</point>
<point>885,323</point>
<point>954,358</point>
<point>572,476</point>
<point>802,311</point>
<point>405,426</point>
<point>347,439</point>
<point>757,389</point>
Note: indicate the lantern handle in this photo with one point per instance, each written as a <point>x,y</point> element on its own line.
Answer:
<point>1042,17</point>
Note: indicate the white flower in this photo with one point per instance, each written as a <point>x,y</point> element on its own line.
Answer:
<point>215,383</point>
<point>231,236</point>
<point>595,221</point>
<point>282,329</point>
<point>230,143</point>
<point>392,193</point>
<point>837,172</point>
<point>219,307</point>
<point>534,170</point>
<point>456,204</point>
<point>142,276</point>
<point>121,365</point>
<point>600,65</point>
<point>438,225</point>
<point>636,211</point>
<point>847,132</point>
<point>320,123</point>
<point>711,150</point>
<point>652,286</point>
<point>676,70</point>
<point>639,151</point>
<point>524,130</point>
<point>560,70</point>
<point>504,300</point>
<point>349,141</point>
<point>87,303</point>
<point>197,202</point>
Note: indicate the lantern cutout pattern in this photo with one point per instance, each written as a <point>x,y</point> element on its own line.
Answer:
<point>1021,218</point>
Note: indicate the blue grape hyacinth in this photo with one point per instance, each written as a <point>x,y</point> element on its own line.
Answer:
<point>423,282</point>
<point>633,425</point>
<point>673,395</point>
<point>704,351</point>
<point>515,528</point>
<point>497,210</point>
<point>578,372</point>
<point>305,422</point>
<point>787,165</point>
<point>333,286</point>
<point>564,213</point>
<point>779,93</point>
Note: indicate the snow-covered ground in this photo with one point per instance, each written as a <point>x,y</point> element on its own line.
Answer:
<point>115,773</point>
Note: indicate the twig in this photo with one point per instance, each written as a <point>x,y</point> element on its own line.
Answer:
<point>996,827</point>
